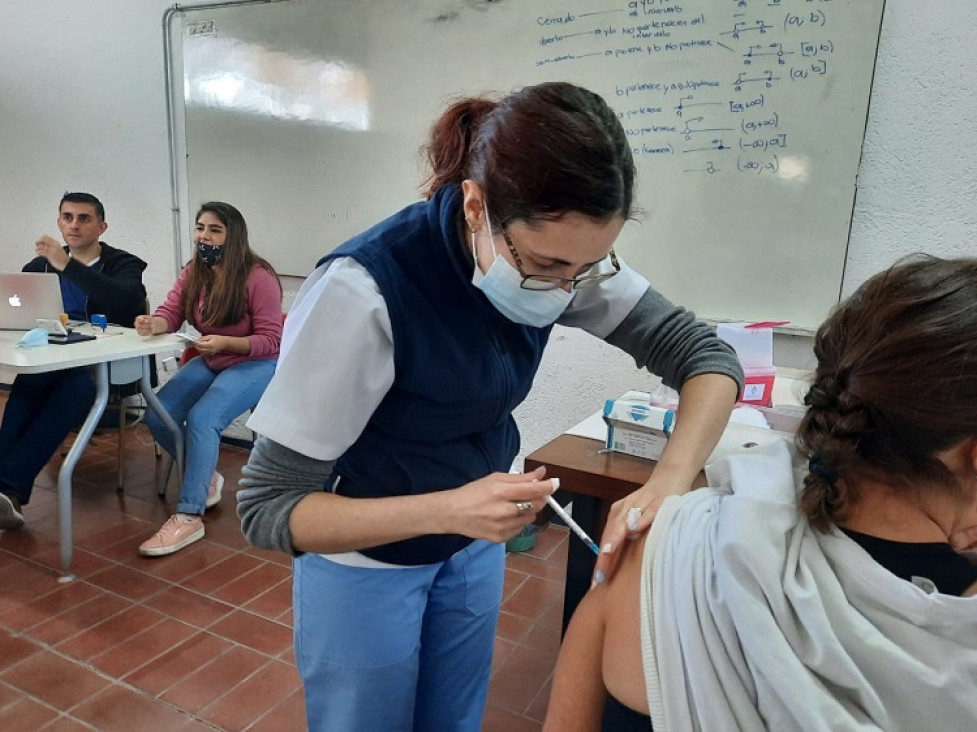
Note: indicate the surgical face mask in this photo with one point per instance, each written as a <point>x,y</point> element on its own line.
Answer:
<point>502,286</point>
<point>210,254</point>
<point>32,338</point>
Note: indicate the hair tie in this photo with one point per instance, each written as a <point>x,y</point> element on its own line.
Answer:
<point>815,467</point>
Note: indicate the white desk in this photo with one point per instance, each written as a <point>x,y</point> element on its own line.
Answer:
<point>118,359</point>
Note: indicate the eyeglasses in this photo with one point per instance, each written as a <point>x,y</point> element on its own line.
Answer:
<point>550,282</point>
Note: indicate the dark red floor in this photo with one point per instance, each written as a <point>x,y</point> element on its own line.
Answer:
<point>200,640</point>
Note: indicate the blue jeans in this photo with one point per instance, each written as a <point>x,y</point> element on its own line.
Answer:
<point>41,410</point>
<point>204,402</point>
<point>397,649</point>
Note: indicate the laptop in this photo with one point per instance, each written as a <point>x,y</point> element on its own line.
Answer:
<point>27,296</point>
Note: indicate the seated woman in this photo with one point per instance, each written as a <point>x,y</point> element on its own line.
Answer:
<point>233,297</point>
<point>843,603</point>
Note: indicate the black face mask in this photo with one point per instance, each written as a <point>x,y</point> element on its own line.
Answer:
<point>209,254</point>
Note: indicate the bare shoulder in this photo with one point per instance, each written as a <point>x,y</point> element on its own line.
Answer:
<point>622,662</point>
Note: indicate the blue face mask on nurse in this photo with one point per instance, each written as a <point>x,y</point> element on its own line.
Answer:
<point>539,300</point>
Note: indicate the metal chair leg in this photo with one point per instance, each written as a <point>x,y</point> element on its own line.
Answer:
<point>120,481</point>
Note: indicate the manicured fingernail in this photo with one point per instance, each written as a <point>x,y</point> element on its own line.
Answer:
<point>607,548</point>
<point>556,484</point>
<point>632,518</point>
<point>599,577</point>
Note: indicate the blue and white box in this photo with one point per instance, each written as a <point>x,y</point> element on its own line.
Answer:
<point>637,428</point>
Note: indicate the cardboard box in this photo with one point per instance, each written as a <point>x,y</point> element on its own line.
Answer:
<point>637,428</point>
<point>754,348</point>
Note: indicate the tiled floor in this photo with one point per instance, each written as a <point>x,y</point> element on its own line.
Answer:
<point>200,640</point>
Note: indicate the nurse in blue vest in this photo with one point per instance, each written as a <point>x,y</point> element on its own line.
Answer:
<point>386,435</point>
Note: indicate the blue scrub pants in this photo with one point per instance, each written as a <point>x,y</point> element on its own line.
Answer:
<point>204,402</point>
<point>399,650</point>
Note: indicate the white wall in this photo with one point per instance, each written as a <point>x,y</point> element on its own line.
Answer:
<point>82,107</point>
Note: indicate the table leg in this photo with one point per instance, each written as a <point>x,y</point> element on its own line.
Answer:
<point>580,559</point>
<point>154,403</point>
<point>101,374</point>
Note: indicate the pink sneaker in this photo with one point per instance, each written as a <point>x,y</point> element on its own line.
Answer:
<point>178,531</point>
<point>214,491</point>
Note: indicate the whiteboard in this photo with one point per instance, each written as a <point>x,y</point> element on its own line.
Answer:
<point>746,118</point>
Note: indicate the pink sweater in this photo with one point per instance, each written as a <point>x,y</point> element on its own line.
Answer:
<point>261,325</point>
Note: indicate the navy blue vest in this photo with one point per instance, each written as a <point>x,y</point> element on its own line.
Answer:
<point>460,368</point>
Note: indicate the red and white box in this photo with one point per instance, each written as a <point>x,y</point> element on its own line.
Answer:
<point>754,348</point>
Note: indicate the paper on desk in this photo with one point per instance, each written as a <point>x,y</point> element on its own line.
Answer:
<point>593,427</point>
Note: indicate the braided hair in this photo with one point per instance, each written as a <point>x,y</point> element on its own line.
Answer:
<point>896,384</point>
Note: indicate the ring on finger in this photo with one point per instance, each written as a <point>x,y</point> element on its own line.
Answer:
<point>523,506</point>
<point>633,515</point>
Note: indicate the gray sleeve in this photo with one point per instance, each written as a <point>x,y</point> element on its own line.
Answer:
<point>669,341</point>
<point>273,481</point>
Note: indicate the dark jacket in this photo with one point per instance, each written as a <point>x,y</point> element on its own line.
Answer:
<point>461,367</point>
<point>113,286</point>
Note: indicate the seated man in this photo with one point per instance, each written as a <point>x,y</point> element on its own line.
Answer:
<point>822,587</point>
<point>42,408</point>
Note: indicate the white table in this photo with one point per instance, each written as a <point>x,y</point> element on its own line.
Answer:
<point>119,359</point>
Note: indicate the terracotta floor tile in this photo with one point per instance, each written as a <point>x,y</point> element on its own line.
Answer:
<point>222,573</point>
<point>549,540</point>
<point>8,694</point>
<point>188,606</point>
<point>253,698</point>
<point>289,715</point>
<point>288,655</point>
<point>503,720</point>
<point>253,631</point>
<point>27,543</point>
<point>178,663</point>
<point>79,618</point>
<point>186,563</point>
<point>532,598</point>
<point>512,627</point>
<point>210,682</point>
<point>66,723</point>
<point>83,563</point>
<point>552,616</point>
<point>537,707</point>
<point>501,652</point>
<point>15,648</point>
<point>543,638</point>
<point>128,582</point>
<point>247,587</point>
<point>117,708</point>
<point>519,678</point>
<point>109,633</point>
<point>58,681</point>
<point>273,602</point>
<point>513,579</point>
<point>23,582</point>
<point>142,648</point>
<point>530,565</point>
<point>28,714</point>
<point>277,557</point>
<point>226,532</point>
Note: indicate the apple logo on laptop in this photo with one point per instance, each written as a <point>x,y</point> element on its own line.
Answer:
<point>14,301</point>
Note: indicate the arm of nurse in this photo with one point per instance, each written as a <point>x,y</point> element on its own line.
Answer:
<point>483,509</point>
